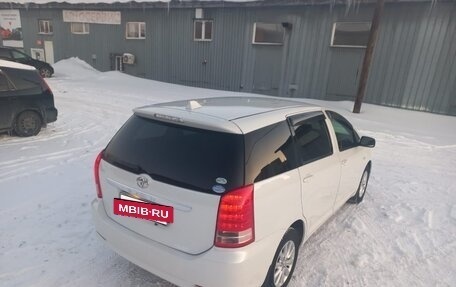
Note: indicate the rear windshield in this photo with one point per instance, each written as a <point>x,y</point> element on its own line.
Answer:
<point>192,158</point>
<point>23,79</point>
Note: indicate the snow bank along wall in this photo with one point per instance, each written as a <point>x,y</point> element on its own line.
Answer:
<point>314,52</point>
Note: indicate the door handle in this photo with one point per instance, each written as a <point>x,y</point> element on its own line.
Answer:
<point>344,162</point>
<point>307,178</point>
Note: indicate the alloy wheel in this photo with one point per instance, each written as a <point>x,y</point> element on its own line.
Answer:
<point>284,263</point>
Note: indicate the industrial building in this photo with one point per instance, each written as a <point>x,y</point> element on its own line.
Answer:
<point>291,48</point>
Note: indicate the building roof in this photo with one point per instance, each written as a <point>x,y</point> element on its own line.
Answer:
<point>227,114</point>
<point>115,1</point>
<point>118,4</point>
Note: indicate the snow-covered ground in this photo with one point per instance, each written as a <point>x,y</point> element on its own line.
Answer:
<point>403,234</point>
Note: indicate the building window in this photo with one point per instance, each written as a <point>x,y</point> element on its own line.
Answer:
<point>136,30</point>
<point>80,28</point>
<point>268,33</point>
<point>45,27</point>
<point>203,30</point>
<point>350,34</point>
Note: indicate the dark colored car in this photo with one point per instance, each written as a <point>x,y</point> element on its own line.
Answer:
<point>26,101</point>
<point>15,55</point>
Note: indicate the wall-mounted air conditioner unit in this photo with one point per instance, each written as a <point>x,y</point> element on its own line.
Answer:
<point>128,58</point>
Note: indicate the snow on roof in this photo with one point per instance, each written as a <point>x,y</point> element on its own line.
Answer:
<point>187,3</point>
<point>14,65</point>
<point>113,1</point>
<point>80,1</point>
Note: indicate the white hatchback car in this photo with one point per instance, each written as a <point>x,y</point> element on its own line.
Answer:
<point>223,191</point>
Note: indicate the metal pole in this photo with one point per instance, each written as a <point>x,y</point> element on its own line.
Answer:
<point>368,56</point>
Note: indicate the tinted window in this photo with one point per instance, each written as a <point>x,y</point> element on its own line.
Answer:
<point>23,79</point>
<point>17,55</point>
<point>183,156</point>
<point>312,139</point>
<point>345,134</point>
<point>5,54</point>
<point>3,83</point>
<point>268,152</point>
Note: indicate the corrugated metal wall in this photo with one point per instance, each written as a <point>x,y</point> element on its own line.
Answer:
<point>414,62</point>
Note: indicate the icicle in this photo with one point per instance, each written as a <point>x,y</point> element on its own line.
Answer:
<point>348,4</point>
<point>331,5</point>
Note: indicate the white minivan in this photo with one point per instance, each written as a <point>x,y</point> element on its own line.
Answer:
<point>223,191</point>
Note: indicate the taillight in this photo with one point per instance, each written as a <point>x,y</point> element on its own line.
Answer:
<point>44,86</point>
<point>235,223</point>
<point>96,171</point>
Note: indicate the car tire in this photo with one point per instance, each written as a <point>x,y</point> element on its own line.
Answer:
<point>362,187</point>
<point>27,124</point>
<point>284,262</point>
<point>45,72</point>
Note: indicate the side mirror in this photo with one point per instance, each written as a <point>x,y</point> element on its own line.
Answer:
<point>367,141</point>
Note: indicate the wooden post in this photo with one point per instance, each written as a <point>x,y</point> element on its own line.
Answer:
<point>368,56</point>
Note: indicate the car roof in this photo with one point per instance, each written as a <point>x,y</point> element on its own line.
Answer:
<point>14,65</point>
<point>237,114</point>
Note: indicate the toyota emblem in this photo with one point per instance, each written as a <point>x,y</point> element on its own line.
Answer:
<point>142,182</point>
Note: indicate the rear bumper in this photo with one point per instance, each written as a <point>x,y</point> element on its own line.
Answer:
<point>51,115</point>
<point>218,267</point>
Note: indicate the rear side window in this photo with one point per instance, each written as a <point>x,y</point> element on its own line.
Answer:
<point>312,139</point>
<point>269,152</point>
<point>3,83</point>
<point>18,56</point>
<point>23,79</point>
<point>179,155</point>
<point>5,54</point>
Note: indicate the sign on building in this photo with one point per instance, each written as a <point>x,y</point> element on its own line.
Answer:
<point>11,28</point>
<point>37,54</point>
<point>96,17</point>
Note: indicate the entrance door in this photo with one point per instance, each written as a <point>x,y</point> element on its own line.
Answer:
<point>118,65</point>
<point>344,73</point>
<point>49,51</point>
<point>267,71</point>
<point>270,43</point>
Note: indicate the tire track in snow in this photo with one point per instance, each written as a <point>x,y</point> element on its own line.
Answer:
<point>47,156</point>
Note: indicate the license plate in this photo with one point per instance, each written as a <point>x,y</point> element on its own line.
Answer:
<point>133,207</point>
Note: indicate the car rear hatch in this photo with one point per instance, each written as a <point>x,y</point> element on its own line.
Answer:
<point>185,167</point>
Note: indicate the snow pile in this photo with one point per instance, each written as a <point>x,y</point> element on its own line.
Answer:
<point>403,234</point>
<point>75,68</point>
<point>132,90</point>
